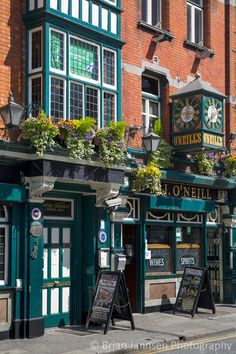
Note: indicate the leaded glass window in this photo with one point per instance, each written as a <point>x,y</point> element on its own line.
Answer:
<point>108,107</point>
<point>76,100</point>
<point>109,67</point>
<point>92,103</point>
<point>57,50</point>
<point>36,51</point>
<point>83,59</point>
<point>57,98</point>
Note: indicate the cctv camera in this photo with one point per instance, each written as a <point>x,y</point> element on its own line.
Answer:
<point>114,202</point>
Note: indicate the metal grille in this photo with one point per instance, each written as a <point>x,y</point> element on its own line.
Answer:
<point>2,252</point>
<point>83,59</point>
<point>57,50</point>
<point>159,216</point>
<point>76,101</point>
<point>57,98</point>
<point>36,58</point>
<point>109,67</point>
<point>92,103</point>
<point>109,108</point>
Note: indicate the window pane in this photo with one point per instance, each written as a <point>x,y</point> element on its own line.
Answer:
<point>160,246</point>
<point>57,98</point>
<point>2,253</point>
<point>144,10</point>
<point>153,108</point>
<point>189,23</point>
<point>143,105</point>
<point>91,103</point>
<point>76,101</point>
<point>36,96</point>
<point>197,2</point>
<point>150,85</point>
<point>109,108</point>
<point>109,67</point>
<point>57,50</point>
<point>36,55</point>
<point>198,26</point>
<point>156,13</point>
<point>83,59</point>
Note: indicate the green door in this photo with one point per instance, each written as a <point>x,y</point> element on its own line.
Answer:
<point>56,307</point>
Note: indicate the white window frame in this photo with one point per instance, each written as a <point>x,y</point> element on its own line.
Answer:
<point>115,69</point>
<point>148,97</point>
<point>99,103</point>
<point>149,14</point>
<point>56,71</point>
<point>6,214</point>
<point>82,78</point>
<point>115,108</point>
<point>30,87</point>
<point>37,29</point>
<point>192,24</point>
<point>64,97</point>
<point>81,84</point>
<point>6,227</point>
<point>112,2</point>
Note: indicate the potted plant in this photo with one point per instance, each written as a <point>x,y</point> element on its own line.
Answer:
<point>40,132</point>
<point>110,144</point>
<point>147,179</point>
<point>230,166</point>
<point>205,166</point>
<point>78,135</point>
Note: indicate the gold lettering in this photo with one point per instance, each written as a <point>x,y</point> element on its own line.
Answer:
<point>165,189</point>
<point>186,191</point>
<point>198,193</point>
<point>176,190</point>
<point>194,192</point>
<point>203,193</point>
<point>208,194</point>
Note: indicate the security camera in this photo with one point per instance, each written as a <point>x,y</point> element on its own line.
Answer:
<point>111,203</point>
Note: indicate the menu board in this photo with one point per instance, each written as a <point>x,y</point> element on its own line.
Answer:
<point>194,291</point>
<point>110,301</point>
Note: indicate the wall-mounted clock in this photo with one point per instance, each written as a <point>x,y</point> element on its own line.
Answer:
<point>213,110</point>
<point>187,113</point>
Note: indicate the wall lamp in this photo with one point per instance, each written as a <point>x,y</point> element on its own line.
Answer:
<point>151,142</point>
<point>11,113</point>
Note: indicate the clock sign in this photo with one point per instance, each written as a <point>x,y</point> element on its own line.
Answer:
<point>187,113</point>
<point>213,109</point>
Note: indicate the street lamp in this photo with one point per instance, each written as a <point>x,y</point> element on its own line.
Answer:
<point>151,142</point>
<point>11,113</point>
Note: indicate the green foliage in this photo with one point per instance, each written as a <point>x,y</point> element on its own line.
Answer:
<point>204,164</point>
<point>40,132</point>
<point>111,147</point>
<point>147,179</point>
<point>157,127</point>
<point>78,137</point>
<point>230,163</point>
<point>162,157</point>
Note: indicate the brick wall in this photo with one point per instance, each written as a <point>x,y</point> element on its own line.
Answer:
<point>12,50</point>
<point>176,61</point>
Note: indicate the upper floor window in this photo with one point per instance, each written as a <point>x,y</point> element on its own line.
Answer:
<point>150,102</point>
<point>35,52</point>
<point>57,51</point>
<point>152,12</point>
<point>195,21</point>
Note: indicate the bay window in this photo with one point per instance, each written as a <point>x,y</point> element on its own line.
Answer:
<point>195,21</point>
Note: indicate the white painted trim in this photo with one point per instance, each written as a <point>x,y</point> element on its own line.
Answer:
<point>37,29</point>
<point>193,9</point>
<point>59,217</point>
<point>57,71</point>
<point>115,68</point>
<point>112,2</point>
<point>82,78</point>
<point>6,258</point>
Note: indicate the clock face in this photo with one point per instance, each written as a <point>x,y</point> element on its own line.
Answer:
<point>213,110</point>
<point>187,113</point>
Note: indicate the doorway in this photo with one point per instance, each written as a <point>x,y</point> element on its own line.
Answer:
<point>130,247</point>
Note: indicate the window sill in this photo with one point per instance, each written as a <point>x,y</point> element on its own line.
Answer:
<point>200,49</point>
<point>158,32</point>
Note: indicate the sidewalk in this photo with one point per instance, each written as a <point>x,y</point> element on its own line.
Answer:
<point>153,331</point>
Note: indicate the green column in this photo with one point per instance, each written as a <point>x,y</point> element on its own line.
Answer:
<point>35,325</point>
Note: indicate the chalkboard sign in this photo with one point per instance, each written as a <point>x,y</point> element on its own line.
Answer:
<point>195,291</point>
<point>159,261</point>
<point>110,300</point>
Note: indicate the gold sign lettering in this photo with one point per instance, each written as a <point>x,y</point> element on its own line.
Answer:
<point>212,139</point>
<point>179,190</point>
<point>188,139</point>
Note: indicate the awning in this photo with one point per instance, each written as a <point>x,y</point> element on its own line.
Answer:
<point>181,204</point>
<point>12,192</point>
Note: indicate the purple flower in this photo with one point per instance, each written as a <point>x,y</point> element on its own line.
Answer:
<point>122,145</point>
<point>88,137</point>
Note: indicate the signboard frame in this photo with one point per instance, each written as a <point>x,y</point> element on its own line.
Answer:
<point>118,292</point>
<point>203,297</point>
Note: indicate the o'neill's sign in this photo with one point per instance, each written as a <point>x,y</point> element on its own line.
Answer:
<point>198,138</point>
<point>181,190</point>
